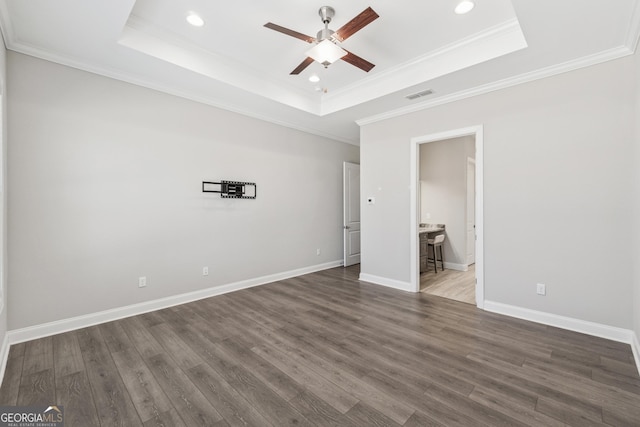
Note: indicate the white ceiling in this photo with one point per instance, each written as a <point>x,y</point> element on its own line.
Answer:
<point>234,62</point>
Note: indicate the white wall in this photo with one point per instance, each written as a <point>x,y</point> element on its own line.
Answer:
<point>105,186</point>
<point>558,174</point>
<point>443,191</point>
<point>3,196</point>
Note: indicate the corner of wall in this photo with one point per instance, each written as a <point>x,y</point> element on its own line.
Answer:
<point>4,349</point>
<point>636,225</point>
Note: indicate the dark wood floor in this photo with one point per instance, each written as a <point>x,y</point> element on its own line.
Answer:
<point>324,349</point>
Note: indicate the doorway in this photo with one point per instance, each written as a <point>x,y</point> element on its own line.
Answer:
<point>476,224</point>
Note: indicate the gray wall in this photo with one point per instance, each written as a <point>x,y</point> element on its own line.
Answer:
<point>443,191</point>
<point>105,186</point>
<point>558,180</point>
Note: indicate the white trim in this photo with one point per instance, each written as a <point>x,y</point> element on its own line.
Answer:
<point>490,43</point>
<point>65,325</point>
<point>612,333</point>
<point>478,132</point>
<point>168,89</point>
<point>457,267</point>
<point>633,33</point>
<point>4,356</point>
<point>635,348</point>
<point>583,326</point>
<point>384,281</point>
<point>542,73</point>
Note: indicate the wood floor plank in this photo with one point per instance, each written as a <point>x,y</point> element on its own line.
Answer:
<point>38,356</point>
<point>166,419</point>
<point>184,356</point>
<point>418,419</point>
<point>235,410</point>
<point>513,406</point>
<point>11,381</point>
<point>187,399</point>
<point>113,403</point>
<point>363,415</point>
<point>147,395</point>
<point>338,398</point>
<point>37,389</point>
<point>140,337</point>
<point>319,412</point>
<point>67,355</point>
<point>234,350</point>
<point>583,415</point>
<point>75,393</point>
<point>270,405</point>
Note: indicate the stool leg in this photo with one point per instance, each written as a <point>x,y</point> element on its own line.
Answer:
<point>442,257</point>
<point>435,258</point>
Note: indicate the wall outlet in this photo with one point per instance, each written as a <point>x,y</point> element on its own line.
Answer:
<point>142,281</point>
<point>541,289</point>
<point>205,271</point>
<point>318,251</point>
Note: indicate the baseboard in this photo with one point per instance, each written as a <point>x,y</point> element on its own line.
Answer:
<point>457,267</point>
<point>65,325</point>
<point>384,281</point>
<point>635,347</point>
<point>4,355</point>
<point>590,328</point>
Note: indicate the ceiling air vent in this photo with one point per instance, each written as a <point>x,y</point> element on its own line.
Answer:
<point>419,94</point>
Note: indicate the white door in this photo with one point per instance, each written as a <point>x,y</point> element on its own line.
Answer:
<point>351,222</point>
<point>471,211</point>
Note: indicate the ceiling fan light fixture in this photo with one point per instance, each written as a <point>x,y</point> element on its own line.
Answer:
<point>195,19</point>
<point>326,52</point>
<point>464,6</point>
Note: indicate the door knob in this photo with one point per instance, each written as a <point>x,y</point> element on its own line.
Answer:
<point>346,227</point>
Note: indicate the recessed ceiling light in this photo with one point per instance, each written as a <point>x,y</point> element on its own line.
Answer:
<point>195,19</point>
<point>464,6</point>
<point>313,78</point>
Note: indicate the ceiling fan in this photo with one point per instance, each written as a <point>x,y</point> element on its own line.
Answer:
<point>326,49</point>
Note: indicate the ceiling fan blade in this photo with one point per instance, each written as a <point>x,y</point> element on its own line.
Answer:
<point>365,17</point>
<point>355,60</point>
<point>304,64</point>
<point>289,32</point>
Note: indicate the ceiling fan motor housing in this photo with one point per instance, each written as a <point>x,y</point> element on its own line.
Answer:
<point>326,13</point>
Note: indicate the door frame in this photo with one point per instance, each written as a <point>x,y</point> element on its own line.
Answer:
<point>345,207</point>
<point>414,168</point>
<point>470,161</point>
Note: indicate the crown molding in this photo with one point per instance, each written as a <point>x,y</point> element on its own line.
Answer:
<point>26,49</point>
<point>633,33</point>
<point>542,73</point>
<point>480,47</point>
<point>628,48</point>
<point>6,28</point>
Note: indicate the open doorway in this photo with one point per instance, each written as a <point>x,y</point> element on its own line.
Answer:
<point>446,173</point>
<point>446,177</point>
